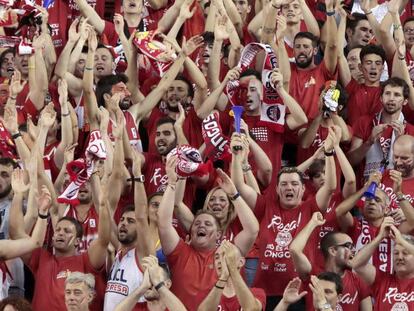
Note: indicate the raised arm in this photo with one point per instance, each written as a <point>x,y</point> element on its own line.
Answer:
<point>360,263</point>
<point>245,238</point>
<point>24,246</point>
<point>291,295</point>
<point>303,266</point>
<point>94,19</point>
<point>331,49</point>
<point>97,249</point>
<point>343,68</point>
<point>244,294</point>
<point>309,19</point>
<point>168,235</point>
<point>406,226</point>
<point>324,194</point>
<point>248,193</point>
<point>297,116</point>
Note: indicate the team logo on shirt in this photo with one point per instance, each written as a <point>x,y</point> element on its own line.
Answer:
<point>311,82</point>
<point>92,223</point>
<point>283,239</point>
<point>273,113</point>
<point>400,306</point>
<point>63,274</point>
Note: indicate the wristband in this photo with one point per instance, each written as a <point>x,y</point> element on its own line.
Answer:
<point>401,58</point>
<point>88,68</point>
<point>234,197</point>
<point>43,216</point>
<point>16,135</point>
<point>330,13</point>
<point>330,153</point>
<point>65,114</point>
<point>159,285</point>
<point>246,168</point>
<point>396,26</point>
<point>219,287</point>
<point>12,98</point>
<point>370,12</point>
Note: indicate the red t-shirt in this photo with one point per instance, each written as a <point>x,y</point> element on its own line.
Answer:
<point>131,129</point>
<point>306,86</point>
<point>51,271</point>
<point>89,226</point>
<point>192,272</point>
<point>363,233</point>
<point>354,291</point>
<point>392,294</point>
<point>363,100</point>
<point>278,227</point>
<point>232,303</point>
<point>407,188</point>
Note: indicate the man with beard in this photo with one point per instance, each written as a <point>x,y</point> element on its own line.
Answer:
<point>375,134</point>
<point>338,250</point>
<point>112,93</point>
<point>393,291</point>
<point>403,160</point>
<point>307,78</point>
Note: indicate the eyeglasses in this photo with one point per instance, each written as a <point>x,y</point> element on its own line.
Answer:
<point>348,245</point>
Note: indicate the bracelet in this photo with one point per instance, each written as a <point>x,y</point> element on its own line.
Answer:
<point>276,7</point>
<point>219,287</point>
<point>401,58</point>
<point>88,68</point>
<point>330,153</point>
<point>43,216</point>
<point>396,26</point>
<point>246,168</point>
<point>13,98</point>
<point>370,12</point>
<point>159,285</point>
<point>65,114</point>
<point>234,197</point>
<point>330,13</point>
<point>16,135</point>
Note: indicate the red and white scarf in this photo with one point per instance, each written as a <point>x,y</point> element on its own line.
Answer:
<point>381,149</point>
<point>382,257</point>
<point>273,110</point>
<point>80,170</point>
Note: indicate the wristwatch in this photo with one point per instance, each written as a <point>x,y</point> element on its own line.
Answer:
<point>139,178</point>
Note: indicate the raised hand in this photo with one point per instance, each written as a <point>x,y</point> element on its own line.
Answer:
<point>119,23</point>
<point>277,78</point>
<point>73,34</point>
<point>44,200</point>
<point>18,182</point>
<point>291,293</point>
<point>233,74</point>
<point>220,29</point>
<point>185,12</point>
<point>376,132</point>
<point>385,227</point>
<point>318,292</point>
<point>10,119</point>
<point>396,177</point>
<point>188,47</point>
<point>48,116</point>
<point>318,219</point>
<point>226,183</point>
<point>92,40</point>
<point>16,85</point>
<point>180,116</point>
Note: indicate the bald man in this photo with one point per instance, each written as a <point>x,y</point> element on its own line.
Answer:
<point>403,161</point>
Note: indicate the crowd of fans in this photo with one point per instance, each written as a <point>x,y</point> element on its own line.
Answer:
<point>206,155</point>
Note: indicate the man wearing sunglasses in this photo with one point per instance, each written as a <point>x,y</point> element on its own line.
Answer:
<point>338,251</point>
<point>375,211</point>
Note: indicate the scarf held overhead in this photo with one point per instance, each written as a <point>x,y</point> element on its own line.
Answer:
<point>272,111</point>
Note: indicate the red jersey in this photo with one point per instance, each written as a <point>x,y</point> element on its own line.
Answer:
<point>49,161</point>
<point>97,5</point>
<point>191,128</point>
<point>354,291</point>
<point>131,129</point>
<point>305,87</point>
<point>89,226</point>
<point>51,271</point>
<point>278,227</point>
<point>192,272</point>
<point>363,233</point>
<point>232,303</point>
<point>407,188</point>
<point>392,294</point>
<point>363,100</point>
